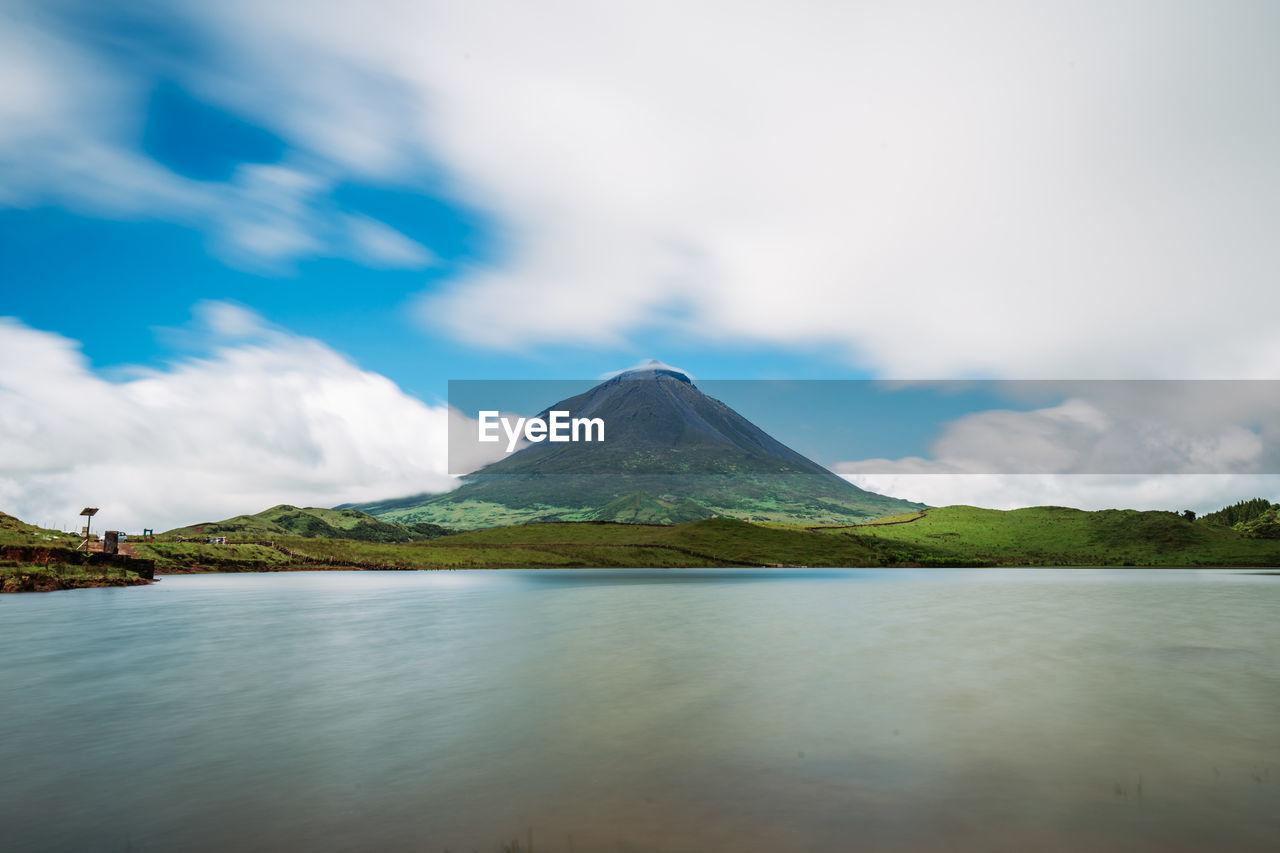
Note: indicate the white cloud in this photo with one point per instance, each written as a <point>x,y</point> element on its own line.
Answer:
<point>70,118</point>
<point>923,189</point>
<point>646,365</point>
<point>1146,445</point>
<point>269,215</point>
<point>1164,427</point>
<point>928,189</point>
<point>379,245</point>
<point>467,453</point>
<point>1200,493</point>
<point>228,320</point>
<point>281,419</point>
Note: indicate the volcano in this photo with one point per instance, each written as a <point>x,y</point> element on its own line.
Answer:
<point>672,454</point>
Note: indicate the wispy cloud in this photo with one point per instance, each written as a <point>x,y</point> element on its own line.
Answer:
<point>923,189</point>
<point>379,245</point>
<point>70,119</point>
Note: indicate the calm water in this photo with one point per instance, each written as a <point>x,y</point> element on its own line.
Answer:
<point>648,711</point>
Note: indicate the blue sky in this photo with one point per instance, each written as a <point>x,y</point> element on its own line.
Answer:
<point>56,256</point>
<point>442,191</point>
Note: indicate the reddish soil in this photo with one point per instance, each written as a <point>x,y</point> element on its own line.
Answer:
<point>126,548</point>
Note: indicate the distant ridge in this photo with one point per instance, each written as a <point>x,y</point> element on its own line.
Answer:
<point>672,454</point>
<point>1257,518</point>
<point>313,522</point>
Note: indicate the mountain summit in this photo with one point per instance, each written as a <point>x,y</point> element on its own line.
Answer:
<point>671,454</point>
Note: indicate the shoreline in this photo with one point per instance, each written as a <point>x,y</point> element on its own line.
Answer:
<point>48,581</point>
<point>41,580</point>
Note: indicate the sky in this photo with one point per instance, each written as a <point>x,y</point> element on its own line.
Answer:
<point>244,246</point>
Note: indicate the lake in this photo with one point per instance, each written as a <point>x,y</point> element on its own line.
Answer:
<point>682,710</point>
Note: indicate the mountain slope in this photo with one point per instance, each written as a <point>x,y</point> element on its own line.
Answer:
<point>671,454</point>
<point>314,522</point>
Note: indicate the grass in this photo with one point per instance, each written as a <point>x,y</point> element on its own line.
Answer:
<point>195,556</point>
<point>1059,536</point>
<point>37,559</point>
<point>346,553</point>
<point>285,520</point>
<point>16,532</point>
<point>948,536</point>
<point>16,576</point>
<point>792,496</point>
<point>707,543</point>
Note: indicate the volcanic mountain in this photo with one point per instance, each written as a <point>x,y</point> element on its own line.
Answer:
<point>671,454</point>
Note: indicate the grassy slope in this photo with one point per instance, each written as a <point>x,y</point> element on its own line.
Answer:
<point>16,532</point>
<point>1062,536</point>
<point>468,514</point>
<point>728,540</point>
<point>177,557</point>
<point>748,499</point>
<point>284,520</point>
<point>55,563</point>
<point>711,542</point>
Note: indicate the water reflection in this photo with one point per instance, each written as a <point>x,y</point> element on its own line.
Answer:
<point>655,710</point>
<point>630,577</point>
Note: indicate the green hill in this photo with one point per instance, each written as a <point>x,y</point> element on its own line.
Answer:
<point>1256,518</point>
<point>947,536</point>
<point>1265,526</point>
<point>309,522</point>
<point>14,531</point>
<point>1058,536</point>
